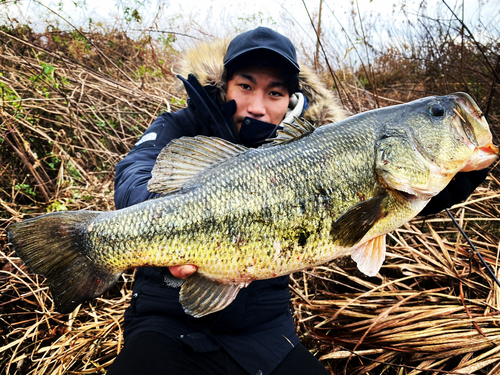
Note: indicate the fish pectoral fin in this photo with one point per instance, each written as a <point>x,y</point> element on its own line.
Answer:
<point>292,131</point>
<point>200,296</point>
<point>185,157</point>
<point>352,226</point>
<point>370,255</point>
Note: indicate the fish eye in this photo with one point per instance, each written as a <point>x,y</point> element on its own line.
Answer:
<point>437,110</point>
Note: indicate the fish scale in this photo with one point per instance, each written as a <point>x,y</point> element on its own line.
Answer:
<point>243,214</point>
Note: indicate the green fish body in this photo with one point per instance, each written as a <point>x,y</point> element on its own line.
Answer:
<point>243,214</point>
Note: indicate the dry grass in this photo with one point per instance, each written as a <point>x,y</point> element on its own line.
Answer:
<point>66,121</point>
<point>72,106</point>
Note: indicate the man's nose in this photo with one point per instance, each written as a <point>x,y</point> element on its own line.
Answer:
<point>257,106</point>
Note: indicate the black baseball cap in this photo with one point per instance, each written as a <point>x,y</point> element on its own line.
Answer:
<point>262,38</point>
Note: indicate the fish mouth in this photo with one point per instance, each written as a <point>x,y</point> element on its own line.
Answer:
<point>476,131</point>
<point>482,158</point>
<point>490,148</point>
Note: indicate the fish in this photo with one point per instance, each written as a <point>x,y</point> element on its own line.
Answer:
<point>309,196</point>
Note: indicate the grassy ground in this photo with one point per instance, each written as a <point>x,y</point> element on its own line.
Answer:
<point>73,104</point>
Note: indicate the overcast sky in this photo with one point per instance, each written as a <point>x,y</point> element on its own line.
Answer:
<point>211,18</point>
<point>219,16</point>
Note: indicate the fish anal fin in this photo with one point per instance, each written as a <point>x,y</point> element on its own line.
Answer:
<point>200,296</point>
<point>292,131</point>
<point>370,255</point>
<point>352,226</point>
<point>185,157</point>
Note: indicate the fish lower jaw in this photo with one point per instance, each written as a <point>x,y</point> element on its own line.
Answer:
<point>482,158</point>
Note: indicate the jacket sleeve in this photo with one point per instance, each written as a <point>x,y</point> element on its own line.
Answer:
<point>134,171</point>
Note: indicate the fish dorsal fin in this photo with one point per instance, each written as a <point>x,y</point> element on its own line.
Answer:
<point>352,226</point>
<point>200,296</point>
<point>292,131</point>
<point>370,255</point>
<point>183,158</point>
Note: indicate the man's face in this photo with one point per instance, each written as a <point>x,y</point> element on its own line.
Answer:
<point>260,93</point>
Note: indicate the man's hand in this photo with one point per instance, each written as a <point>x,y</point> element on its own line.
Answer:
<point>182,272</point>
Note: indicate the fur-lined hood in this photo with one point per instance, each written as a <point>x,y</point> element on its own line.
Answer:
<point>206,62</point>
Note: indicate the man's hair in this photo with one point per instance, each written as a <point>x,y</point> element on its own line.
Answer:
<point>264,59</point>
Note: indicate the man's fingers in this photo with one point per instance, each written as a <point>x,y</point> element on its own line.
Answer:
<point>182,271</point>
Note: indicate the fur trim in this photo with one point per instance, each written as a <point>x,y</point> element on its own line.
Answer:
<point>324,107</point>
<point>206,62</point>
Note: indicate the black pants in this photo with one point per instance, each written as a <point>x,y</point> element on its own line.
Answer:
<point>153,353</point>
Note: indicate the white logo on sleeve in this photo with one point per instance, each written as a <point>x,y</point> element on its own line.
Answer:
<point>146,137</point>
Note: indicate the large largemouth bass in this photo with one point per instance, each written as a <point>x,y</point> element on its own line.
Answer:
<point>243,214</point>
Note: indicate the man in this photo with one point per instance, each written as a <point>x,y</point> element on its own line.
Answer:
<point>240,92</point>
<point>246,90</point>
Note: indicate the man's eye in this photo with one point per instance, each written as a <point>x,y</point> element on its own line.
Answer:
<point>275,93</point>
<point>244,86</point>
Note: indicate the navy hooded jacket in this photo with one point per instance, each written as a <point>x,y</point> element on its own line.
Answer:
<point>257,328</point>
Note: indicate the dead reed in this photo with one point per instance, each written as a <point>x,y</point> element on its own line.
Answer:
<point>72,106</point>
<point>69,115</point>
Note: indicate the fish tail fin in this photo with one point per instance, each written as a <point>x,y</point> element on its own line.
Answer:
<point>54,246</point>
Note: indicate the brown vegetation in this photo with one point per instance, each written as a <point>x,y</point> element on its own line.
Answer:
<point>73,104</point>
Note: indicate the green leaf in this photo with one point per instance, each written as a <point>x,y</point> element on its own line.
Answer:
<point>57,206</point>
